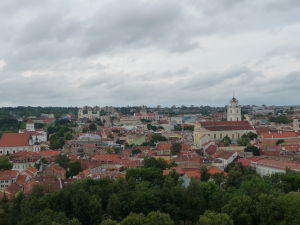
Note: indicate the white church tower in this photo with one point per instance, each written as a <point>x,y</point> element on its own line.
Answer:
<point>234,110</point>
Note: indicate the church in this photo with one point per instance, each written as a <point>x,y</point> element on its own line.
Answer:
<point>234,127</point>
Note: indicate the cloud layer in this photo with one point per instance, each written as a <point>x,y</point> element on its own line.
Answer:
<point>135,52</point>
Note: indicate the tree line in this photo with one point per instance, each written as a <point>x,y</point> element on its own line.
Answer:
<point>241,198</point>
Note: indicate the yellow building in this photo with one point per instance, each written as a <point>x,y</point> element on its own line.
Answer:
<point>217,130</point>
<point>234,127</point>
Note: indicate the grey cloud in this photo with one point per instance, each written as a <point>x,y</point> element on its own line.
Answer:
<point>59,41</point>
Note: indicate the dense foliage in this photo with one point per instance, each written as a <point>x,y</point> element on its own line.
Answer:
<point>8,123</point>
<point>255,150</point>
<point>246,139</point>
<point>25,111</point>
<point>72,168</point>
<point>5,164</point>
<point>280,119</point>
<point>242,198</point>
<point>60,131</point>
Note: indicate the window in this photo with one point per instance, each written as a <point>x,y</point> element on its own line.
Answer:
<point>215,136</point>
<point>221,135</point>
<point>232,136</point>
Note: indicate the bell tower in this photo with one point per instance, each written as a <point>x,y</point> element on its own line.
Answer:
<point>234,110</point>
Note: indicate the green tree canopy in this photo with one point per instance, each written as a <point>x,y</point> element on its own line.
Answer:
<point>226,140</point>
<point>151,162</point>
<point>176,148</point>
<point>5,164</point>
<point>212,218</point>
<point>255,150</point>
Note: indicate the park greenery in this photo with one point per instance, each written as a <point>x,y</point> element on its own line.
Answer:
<point>60,131</point>
<point>145,196</point>
<point>280,119</point>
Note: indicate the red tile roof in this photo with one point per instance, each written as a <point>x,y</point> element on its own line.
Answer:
<point>278,164</point>
<point>163,146</point>
<point>248,161</point>
<point>216,170</point>
<point>8,174</point>
<point>223,154</point>
<point>211,150</point>
<point>10,191</point>
<point>271,152</point>
<point>226,125</point>
<point>49,153</point>
<point>100,157</point>
<point>57,169</point>
<point>14,139</point>
<point>21,179</point>
<point>280,134</point>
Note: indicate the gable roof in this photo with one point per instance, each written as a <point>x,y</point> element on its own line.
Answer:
<point>14,139</point>
<point>226,125</point>
<point>8,174</point>
<point>280,134</point>
<point>223,154</point>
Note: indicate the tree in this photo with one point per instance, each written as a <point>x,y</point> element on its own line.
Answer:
<point>151,162</point>
<point>212,218</point>
<point>252,135</point>
<point>280,119</point>
<point>109,222</point>
<point>290,208</point>
<point>226,140</point>
<point>244,140</point>
<point>255,150</point>
<point>240,209</point>
<point>56,142</point>
<point>158,218</point>
<point>5,164</point>
<point>92,127</point>
<point>114,207</point>
<point>204,173</point>
<point>176,148</point>
<point>157,137</point>
<point>63,161</point>
<point>134,219</point>
<point>280,141</point>
<point>135,151</point>
<point>153,175</point>
<point>74,168</point>
<point>68,135</point>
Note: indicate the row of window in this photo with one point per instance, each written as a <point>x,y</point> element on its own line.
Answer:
<point>221,136</point>
<point>237,111</point>
<point>4,181</point>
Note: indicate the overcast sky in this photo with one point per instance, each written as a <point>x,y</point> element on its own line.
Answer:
<point>135,52</point>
